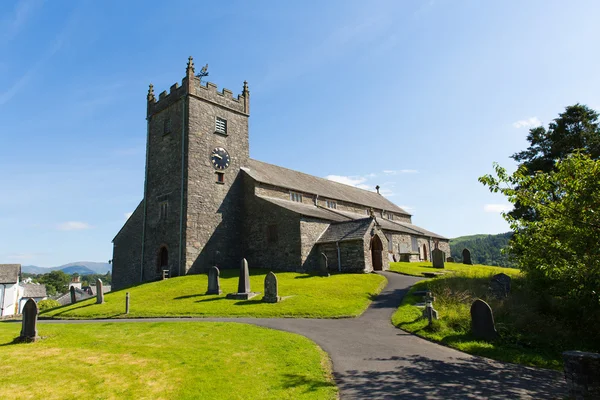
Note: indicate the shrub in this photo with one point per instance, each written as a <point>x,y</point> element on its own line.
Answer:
<point>44,305</point>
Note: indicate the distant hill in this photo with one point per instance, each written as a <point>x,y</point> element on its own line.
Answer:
<point>485,249</point>
<point>80,267</point>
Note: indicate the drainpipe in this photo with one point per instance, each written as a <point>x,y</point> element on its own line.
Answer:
<point>430,251</point>
<point>3,296</point>
<point>182,180</point>
<point>339,257</point>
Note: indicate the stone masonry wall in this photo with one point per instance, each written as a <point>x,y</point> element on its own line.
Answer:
<point>310,231</point>
<point>351,253</point>
<point>127,248</point>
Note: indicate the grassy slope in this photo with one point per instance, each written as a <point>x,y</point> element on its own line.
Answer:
<point>416,269</point>
<point>186,360</point>
<point>527,336</point>
<point>343,295</point>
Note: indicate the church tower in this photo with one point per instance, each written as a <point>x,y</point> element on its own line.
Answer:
<point>193,201</point>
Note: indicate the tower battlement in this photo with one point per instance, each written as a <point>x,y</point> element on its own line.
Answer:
<point>192,85</point>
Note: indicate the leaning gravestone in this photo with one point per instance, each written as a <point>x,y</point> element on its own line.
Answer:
<point>99,292</point>
<point>482,321</point>
<point>29,326</point>
<point>214,286</point>
<point>450,259</point>
<point>582,373</point>
<point>72,291</point>
<point>271,289</point>
<point>243,292</point>
<point>437,257</point>
<point>500,285</point>
<point>467,257</point>
<point>323,265</point>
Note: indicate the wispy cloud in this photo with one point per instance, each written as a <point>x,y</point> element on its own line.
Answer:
<point>347,180</point>
<point>73,226</point>
<point>407,208</point>
<point>13,24</point>
<point>497,208</point>
<point>531,122</point>
<point>399,171</point>
<point>23,256</point>
<point>127,215</point>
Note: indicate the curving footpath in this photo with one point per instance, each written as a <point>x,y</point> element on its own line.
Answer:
<point>372,359</point>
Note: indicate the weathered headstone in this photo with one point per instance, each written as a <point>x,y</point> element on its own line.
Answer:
<point>323,265</point>
<point>29,326</point>
<point>466,256</point>
<point>127,303</point>
<point>214,286</point>
<point>429,312</point>
<point>482,321</point>
<point>243,292</point>
<point>500,285</point>
<point>437,258</point>
<point>73,297</point>
<point>582,373</point>
<point>99,292</point>
<point>450,259</point>
<point>271,289</point>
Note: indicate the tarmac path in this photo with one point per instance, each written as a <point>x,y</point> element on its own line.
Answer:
<point>372,359</point>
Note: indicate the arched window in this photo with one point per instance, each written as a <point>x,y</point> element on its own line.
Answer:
<point>163,259</point>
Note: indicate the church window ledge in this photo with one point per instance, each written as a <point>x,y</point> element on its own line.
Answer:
<point>296,197</point>
<point>331,204</point>
<point>221,126</point>
<point>220,176</point>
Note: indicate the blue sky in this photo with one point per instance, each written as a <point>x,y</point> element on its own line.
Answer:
<point>419,97</point>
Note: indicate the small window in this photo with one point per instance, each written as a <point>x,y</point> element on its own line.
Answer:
<point>272,234</point>
<point>415,245</point>
<point>220,177</point>
<point>221,126</point>
<point>390,217</point>
<point>167,126</point>
<point>368,211</point>
<point>331,204</point>
<point>163,210</point>
<point>296,197</point>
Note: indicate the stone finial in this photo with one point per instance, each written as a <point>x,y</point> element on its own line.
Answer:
<point>151,96</point>
<point>377,188</point>
<point>245,88</point>
<point>190,67</point>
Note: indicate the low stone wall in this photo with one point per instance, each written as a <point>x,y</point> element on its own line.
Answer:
<point>582,373</point>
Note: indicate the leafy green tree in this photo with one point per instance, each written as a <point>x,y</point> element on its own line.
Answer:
<point>56,282</point>
<point>577,128</point>
<point>559,250</point>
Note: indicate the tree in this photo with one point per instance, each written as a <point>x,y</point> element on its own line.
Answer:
<point>56,282</point>
<point>558,250</point>
<point>577,128</point>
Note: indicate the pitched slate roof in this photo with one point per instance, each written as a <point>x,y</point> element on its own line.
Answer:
<point>345,231</point>
<point>294,180</point>
<point>34,290</point>
<point>9,273</point>
<point>309,210</point>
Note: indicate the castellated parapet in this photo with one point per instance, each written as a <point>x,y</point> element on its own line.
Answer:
<point>191,85</point>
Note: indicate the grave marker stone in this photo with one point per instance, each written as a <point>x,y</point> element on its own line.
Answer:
<point>127,303</point>
<point>437,257</point>
<point>482,321</point>
<point>271,289</point>
<point>214,285</point>
<point>466,256</point>
<point>243,292</point>
<point>500,285</point>
<point>450,259</point>
<point>99,292</point>
<point>29,325</point>
<point>72,291</point>
<point>323,265</point>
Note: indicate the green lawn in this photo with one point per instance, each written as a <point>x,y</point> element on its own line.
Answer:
<point>529,333</point>
<point>169,360</point>
<point>417,269</point>
<point>338,296</point>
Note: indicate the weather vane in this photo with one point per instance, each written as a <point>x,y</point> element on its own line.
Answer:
<point>203,72</point>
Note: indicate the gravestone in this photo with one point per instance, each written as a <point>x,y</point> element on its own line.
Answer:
<point>482,321</point>
<point>500,285</point>
<point>214,286</point>
<point>450,259</point>
<point>99,292</point>
<point>29,325</point>
<point>582,373</point>
<point>271,289</point>
<point>323,265</point>
<point>127,303</point>
<point>437,257</point>
<point>430,313</point>
<point>72,291</point>
<point>243,292</point>
<point>467,257</point>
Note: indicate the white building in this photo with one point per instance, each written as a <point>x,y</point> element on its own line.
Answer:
<point>33,291</point>
<point>10,290</point>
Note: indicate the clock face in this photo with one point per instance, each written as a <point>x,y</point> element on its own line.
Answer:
<point>219,158</point>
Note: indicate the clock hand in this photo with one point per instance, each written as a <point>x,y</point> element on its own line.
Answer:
<point>218,156</point>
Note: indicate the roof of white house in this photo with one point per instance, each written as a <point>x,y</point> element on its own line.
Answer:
<point>34,290</point>
<point>9,273</point>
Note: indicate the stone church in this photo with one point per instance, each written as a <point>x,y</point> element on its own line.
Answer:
<point>206,202</point>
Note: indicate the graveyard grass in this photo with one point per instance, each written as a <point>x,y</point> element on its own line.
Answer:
<point>528,335</point>
<point>417,268</point>
<point>304,295</point>
<point>167,360</point>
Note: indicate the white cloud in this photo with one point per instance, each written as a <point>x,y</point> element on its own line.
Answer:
<point>407,208</point>
<point>348,180</point>
<point>497,208</point>
<point>73,226</point>
<point>127,215</point>
<point>399,171</point>
<point>22,256</point>
<point>531,122</point>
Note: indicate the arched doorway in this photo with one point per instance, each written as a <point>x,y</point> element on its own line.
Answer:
<point>376,253</point>
<point>163,259</point>
<point>425,252</point>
